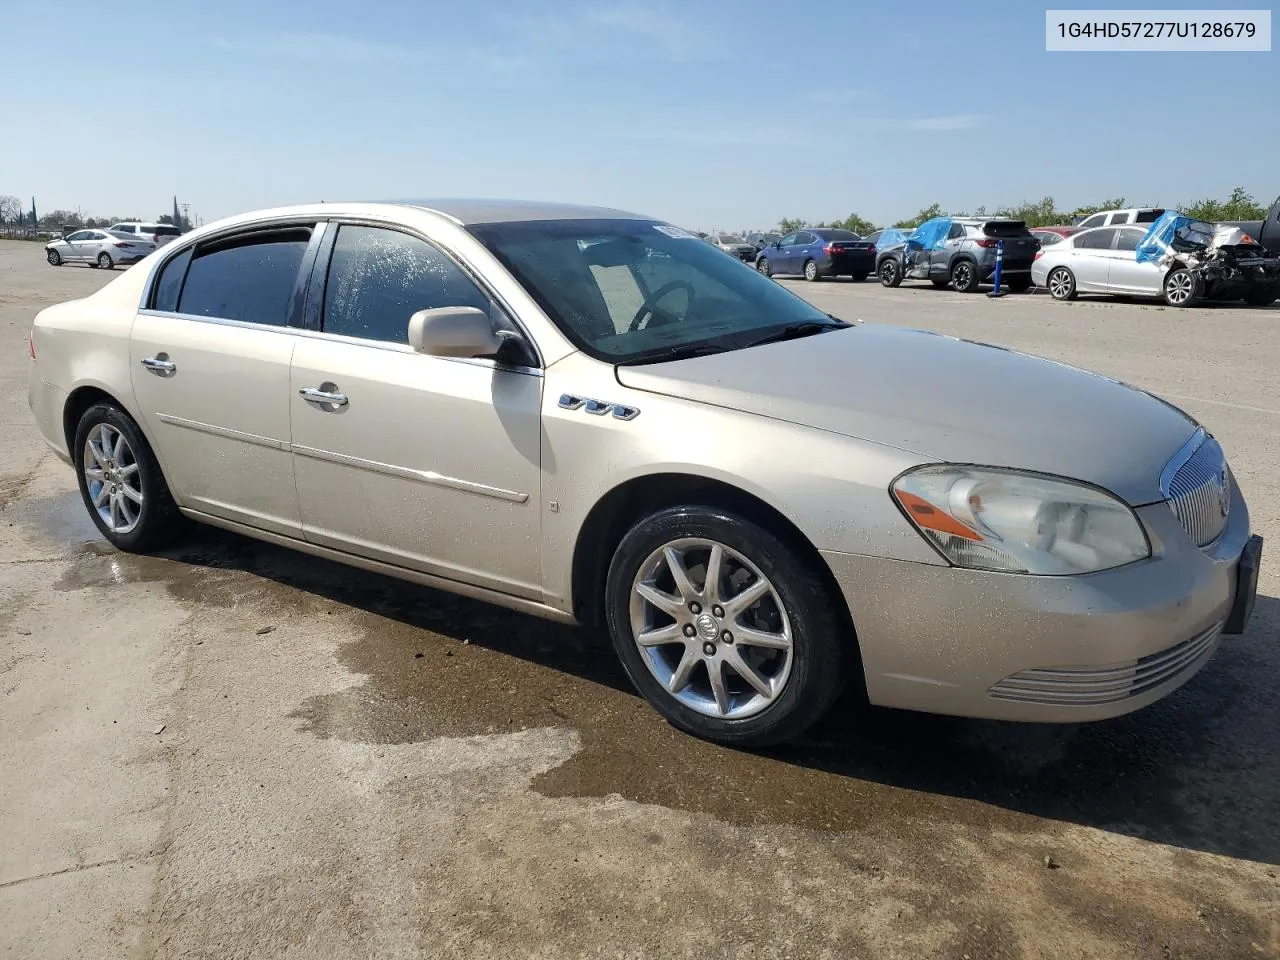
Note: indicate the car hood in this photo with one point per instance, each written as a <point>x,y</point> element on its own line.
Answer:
<point>943,398</point>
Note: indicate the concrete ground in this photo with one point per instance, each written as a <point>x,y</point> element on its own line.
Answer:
<point>234,751</point>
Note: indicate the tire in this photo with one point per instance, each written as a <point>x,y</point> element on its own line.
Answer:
<point>157,520</point>
<point>811,271</point>
<point>890,272</point>
<point>1061,283</point>
<point>54,258</point>
<point>940,284</point>
<point>105,261</point>
<point>964,276</point>
<point>762,265</point>
<point>1181,288</point>
<point>1259,298</point>
<point>1019,284</point>
<point>802,680</point>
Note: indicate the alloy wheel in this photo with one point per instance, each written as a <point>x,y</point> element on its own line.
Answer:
<point>113,478</point>
<point>811,271</point>
<point>963,276</point>
<point>1178,287</point>
<point>1060,284</point>
<point>711,628</point>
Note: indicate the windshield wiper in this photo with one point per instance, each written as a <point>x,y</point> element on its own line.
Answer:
<point>793,331</point>
<point>675,353</point>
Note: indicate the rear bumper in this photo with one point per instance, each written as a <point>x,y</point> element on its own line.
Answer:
<point>1009,268</point>
<point>851,264</point>
<point>47,403</point>
<point>1048,649</point>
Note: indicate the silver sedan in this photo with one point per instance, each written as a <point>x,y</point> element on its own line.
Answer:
<point>98,248</point>
<point>592,416</point>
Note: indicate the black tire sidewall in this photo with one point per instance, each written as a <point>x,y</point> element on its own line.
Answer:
<point>159,516</point>
<point>54,258</point>
<point>109,262</point>
<point>763,266</point>
<point>895,279</point>
<point>821,649</point>
<point>973,273</point>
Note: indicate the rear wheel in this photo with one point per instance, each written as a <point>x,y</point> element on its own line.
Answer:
<point>121,482</point>
<point>810,271</point>
<point>105,261</point>
<point>763,266</point>
<point>964,275</point>
<point>1019,284</point>
<point>1181,288</point>
<point>890,272</point>
<point>54,258</point>
<point>727,633</point>
<point>1061,283</point>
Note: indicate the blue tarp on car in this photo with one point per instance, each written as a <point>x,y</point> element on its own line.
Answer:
<point>1169,228</point>
<point>931,234</point>
<point>892,237</point>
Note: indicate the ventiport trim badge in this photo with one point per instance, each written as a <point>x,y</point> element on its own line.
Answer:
<point>570,401</point>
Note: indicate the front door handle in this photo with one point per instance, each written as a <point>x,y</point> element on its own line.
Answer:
<point>160,365</point>
<point>322,396</point>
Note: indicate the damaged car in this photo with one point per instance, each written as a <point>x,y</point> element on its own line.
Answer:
<point>1181,260</point>
<point>959,252</point>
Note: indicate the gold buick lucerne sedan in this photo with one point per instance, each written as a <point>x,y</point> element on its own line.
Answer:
<point>593,416</point>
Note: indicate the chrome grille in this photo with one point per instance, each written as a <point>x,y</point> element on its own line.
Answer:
<point>1092,686</point>
<point>1197,485</point>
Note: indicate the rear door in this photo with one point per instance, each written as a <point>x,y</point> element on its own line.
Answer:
<point>1091,258</point>
<point>1125,273</point>
<point>210,359</point>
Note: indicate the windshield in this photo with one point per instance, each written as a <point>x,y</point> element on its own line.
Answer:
<point>626,291</point>
<point>730,239</point>
<point>838,235</point>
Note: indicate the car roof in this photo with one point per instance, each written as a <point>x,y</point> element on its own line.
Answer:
<point>471,211</point>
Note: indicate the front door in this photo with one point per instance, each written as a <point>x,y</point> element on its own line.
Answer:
<point>423,462</point>
<point>211,376</point>
<point>1125,274</point>
<point>79,244</point>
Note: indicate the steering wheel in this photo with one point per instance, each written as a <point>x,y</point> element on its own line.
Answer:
<point>650,306</point>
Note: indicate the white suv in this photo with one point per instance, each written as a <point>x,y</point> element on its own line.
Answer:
<point>1116,218</point>
<point>157,233</point>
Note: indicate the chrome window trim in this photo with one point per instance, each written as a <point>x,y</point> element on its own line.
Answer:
<point>338,338</point>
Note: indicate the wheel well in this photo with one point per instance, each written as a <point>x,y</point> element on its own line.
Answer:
<point>623,506</point>
<point>81,400</point>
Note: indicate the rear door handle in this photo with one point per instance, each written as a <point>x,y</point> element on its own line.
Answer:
<point>327,397</point>
<point>160,365</point>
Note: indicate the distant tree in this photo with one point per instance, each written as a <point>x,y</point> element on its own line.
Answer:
<point>57,218</point>
<point>1040,214</point>
<point>10,208</point>
<point>1239,206</point>
<point>928,213</point>
<point>854,223</point>
<point>1115,203</point>
<point>788,224</point>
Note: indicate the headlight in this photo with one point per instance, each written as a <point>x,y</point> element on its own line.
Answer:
<point>990,519</point>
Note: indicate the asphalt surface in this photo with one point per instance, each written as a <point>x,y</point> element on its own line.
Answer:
<point>235,751</point>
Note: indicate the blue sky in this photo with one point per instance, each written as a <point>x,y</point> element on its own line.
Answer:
<point>709,114</point>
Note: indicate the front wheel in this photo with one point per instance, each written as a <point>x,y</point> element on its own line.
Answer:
<point>810,271</point>
<point>54,258</point>
<point>763,266</point>
<point>1181,288</point>
<point>725,631</point>
<point>121,482</point>
<point>105,261</point>
<point>964,276</point>
<point>890,272</point>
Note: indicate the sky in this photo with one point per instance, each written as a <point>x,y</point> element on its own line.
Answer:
<point>713,115</point>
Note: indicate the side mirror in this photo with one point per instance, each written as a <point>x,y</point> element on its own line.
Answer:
<point>453,332</point>
<point>778,244</point>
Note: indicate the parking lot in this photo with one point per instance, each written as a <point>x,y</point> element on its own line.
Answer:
<point>233,751</point>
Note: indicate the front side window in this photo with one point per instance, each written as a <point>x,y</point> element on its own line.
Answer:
<point>628,291</point>
<point>1129,239</point>
<point>788,240</point>
<point>249,277</point>
<point>1097,220</point>
<point>80,235</point>
<point>956,231</point>
<point>379,278</point>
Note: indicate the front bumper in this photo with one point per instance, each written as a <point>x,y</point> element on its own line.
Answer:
<point>1051,649</point>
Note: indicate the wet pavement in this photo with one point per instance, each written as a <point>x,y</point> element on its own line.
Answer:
<point>261,752</point>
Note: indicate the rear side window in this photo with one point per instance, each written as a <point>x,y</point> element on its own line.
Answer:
<point>1097,220</point>
<point>1119,218</point>
<point>169,284</point>
<point>1129,239</point>
<point>248,277</point>
<point>1148,216</point>
<point>124,228</point>
<point>805,239</point>
<point>379,278</point>
<point>164,231</point>
<point>1096,240</point>
<point>838,235</point>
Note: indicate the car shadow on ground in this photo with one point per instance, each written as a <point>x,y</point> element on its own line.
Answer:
<point>1199,770</point>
